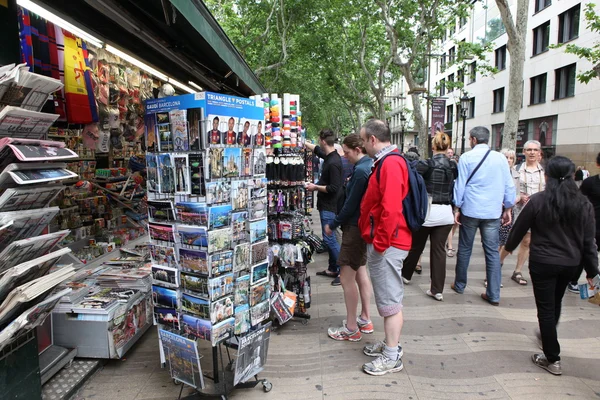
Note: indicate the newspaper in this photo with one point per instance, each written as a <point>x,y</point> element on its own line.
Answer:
<point>252,354</point>
<point>21,88</point>
<point>182,358</point>
<point>21,123</point>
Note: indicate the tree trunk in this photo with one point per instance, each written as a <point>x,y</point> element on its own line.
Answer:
<point>516,48</point>
<point>418,119</point>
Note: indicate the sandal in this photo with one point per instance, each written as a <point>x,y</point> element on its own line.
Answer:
<point>450,252</point>
<point>517,277</point>
<point>418,269</point>
<point>327,273</point>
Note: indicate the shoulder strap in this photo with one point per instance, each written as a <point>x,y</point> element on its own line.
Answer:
<point>477,167</point>
<point>380,163</point>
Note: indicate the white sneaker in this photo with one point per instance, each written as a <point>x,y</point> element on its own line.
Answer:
<point>406,281</point>
<point>437,296</point>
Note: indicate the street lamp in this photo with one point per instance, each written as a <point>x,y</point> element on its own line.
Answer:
<point>403,126</point>
<point>464,110</point>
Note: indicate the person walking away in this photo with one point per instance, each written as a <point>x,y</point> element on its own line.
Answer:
<point>561,220</point>
<point>591,189</point>
<point>531,181</point>
<point>439,173</point>
<point>384,229</point>
<point>505,229</point>
<point>353,252</point>
<point>328,188</point>
<point>449,247</point>
<point>483,186</point>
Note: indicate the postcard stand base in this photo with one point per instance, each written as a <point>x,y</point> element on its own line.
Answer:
<point>222,379</point>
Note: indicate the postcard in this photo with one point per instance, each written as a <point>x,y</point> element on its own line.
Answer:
<point>241,257</point>
<point>259,159</point>
<point>178,119</point>
<point>241,292</point>
<point>163,255</point>
<point>195,285</point>
<point>239,195</point>
<point>259,273</point>
<point>219,240</point>
<point>163,297</point>
<point>195,305</point>
<point>222,331</point>
<point>166,316</point>
<point>259,313</point>
<point>161,233</point>
<point>160,211</point>
<point>246,163</point>
<point>196,169</point>
<point>192,213</point>
<point>258,188</point>
<point>166,173</point>
<point>182,174</point>
<point>165,276</point>
<point>196,327</point>
<point>215,158</point>
<point>258,208</point>
<point>219,216</point>
<point>242,320</point>
<point>218,193</point>
<point>193,261</point>
<point>259,293</point>
<point>258,231</point>
<point>220,286</point>
<point>238,227</point>
<point>152,173</point>
<point>259,252</point>
<point>192,236</point>
<point>231,162</point>
<point>221,309</point>
<point>221,263</point>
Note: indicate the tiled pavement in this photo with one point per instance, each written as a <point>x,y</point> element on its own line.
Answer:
<point>461,348</point>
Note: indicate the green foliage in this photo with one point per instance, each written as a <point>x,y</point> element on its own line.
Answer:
<point>592,54</point>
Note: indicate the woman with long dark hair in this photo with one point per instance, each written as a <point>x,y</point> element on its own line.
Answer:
<point>562,226</point>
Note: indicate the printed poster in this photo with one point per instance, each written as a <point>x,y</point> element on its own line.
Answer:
<point>252,354</point>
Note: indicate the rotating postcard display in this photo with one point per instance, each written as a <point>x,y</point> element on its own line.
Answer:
<point>208,214</point>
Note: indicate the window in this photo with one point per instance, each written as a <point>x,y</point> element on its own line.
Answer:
<point>462,21</point>
<point>442,87</point>
<point>538,89</point>
<point>443,63</point>
<point>501,58</point>
<point>449,114</point>
<point>472,107</point>
<point>452,55</point>
<point>499,100</point>
<point>564,85</point>
<point>541,4</point>
<point>541,38</point>
<point>473,72</point>
<point>568,24</point>
<point>451,81</point>
<point>444,35</point>
<point>460,76</point>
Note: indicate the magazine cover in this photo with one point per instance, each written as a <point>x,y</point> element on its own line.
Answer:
<point>152,173</point>
<point>182,174</point>
<point>195,129</point>
<point>193,236</point>
<point>218,193</point>
<point>166,173</point>
<point>165,138</point>
<point>279,308</point>
<point>178,119</point>
<point>161,211</point>
<point>259,252</point>
<point>215,156</point>
<point>18,199</point>
<point>193,261</point>
<point>252,354</point>
<point>258,230</point>
<point>161,234</point>
<point>196,167</point>
<point>258,188</point>
<point>242,320</point>
<point>260,162</point>
<point>166,316</point>
<point>238,227</point>
<point>246,164</point>
<point>196,327</point>
<point>241,292</point>
<point>259,313</point>
<point>259,273</point>
<point>239,195</point>
<point>192,213</point>
<point>162,297</point>
<point>219,216</point>
<point>219,240</point>
<point>259,293</point>
<point>241,257</point>
<point>182,358</point>
<point>195,285</point>
<point>162,255</point>
<point>231,162</point>
<point>165,276</point>
<point>220,286</point>
<point>221,263</point>
<point>222,331</point>
<point>24,250</point>
<point>195,305</point>
<point>258,208</point>
<point>221,309</point>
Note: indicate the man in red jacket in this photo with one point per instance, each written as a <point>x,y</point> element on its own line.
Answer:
<point>388,238</point>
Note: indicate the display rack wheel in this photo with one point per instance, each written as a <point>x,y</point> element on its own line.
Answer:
<point>267,386</point>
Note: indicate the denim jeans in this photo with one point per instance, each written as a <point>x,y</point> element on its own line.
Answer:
<point>333,247</point>
<point>489,239</point>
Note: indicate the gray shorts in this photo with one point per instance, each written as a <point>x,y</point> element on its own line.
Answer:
<point>386,275</point>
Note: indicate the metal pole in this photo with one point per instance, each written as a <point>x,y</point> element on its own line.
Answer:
<point>429,151</point>
<point>462,144</point>
<point>402,140</point>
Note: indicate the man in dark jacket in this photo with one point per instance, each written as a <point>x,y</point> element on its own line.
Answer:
<point>328,187</point>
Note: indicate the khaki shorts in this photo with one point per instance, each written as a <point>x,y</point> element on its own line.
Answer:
<point>353,251</point>
<point>386,275</point>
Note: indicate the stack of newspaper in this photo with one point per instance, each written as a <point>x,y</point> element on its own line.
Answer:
<point>134,278</point>
<point>21,88</point>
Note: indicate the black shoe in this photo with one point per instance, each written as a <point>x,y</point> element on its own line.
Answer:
<point>573,288</point>
<point>541,361</point>
<point>336,281</point>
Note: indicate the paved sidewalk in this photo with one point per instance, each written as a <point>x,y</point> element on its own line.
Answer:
<point>460,348</point>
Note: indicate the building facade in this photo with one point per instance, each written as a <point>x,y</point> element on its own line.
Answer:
<point>399,106</point>
<point>557,110</point>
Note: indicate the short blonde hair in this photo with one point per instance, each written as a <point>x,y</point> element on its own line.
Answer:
<point>509,153</point>
<point>440,141</point>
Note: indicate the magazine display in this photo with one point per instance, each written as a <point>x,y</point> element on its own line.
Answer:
<point>35,173</point>
<point>182,358</point>
<point>18,122</point>
<point>252,354</point>
<point>20,225</point>
<point>29,198</point>
<point>25,249</point>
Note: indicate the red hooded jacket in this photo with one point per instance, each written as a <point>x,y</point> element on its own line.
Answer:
<point>381,220</point>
